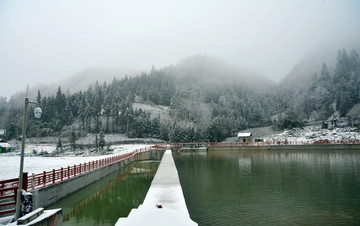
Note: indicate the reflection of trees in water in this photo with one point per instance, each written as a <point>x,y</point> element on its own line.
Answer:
<point>336,158</point>
<point>283,187</point>
<point>104,201</point>
<point>86,202</point>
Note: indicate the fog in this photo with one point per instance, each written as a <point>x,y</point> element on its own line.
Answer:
<point>49,41</point>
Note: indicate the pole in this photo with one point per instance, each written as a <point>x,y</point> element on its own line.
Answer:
<point>18,200</point>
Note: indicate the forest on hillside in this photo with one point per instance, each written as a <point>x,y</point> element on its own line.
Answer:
<point>210,107</point>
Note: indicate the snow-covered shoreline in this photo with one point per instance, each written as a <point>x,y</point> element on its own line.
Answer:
<point>9,162</point>
<point>313,134</point>
<point>308,134</point>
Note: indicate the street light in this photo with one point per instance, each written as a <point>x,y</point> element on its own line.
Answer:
<point>37,114</point>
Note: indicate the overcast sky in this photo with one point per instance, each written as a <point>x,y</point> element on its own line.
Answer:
<point>44,41</point>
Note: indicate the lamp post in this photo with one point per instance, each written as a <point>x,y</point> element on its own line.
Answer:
<point>37,114</point>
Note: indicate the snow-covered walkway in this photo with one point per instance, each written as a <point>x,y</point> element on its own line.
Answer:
<point>164,203</point>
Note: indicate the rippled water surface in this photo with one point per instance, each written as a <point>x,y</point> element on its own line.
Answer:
<point>271,187</point>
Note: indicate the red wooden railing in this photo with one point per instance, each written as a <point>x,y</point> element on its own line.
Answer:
<point>8,191</point>
<point>9,187</point>
<point>277,142</point>
<point>47,178</point>
<point>350,141</point>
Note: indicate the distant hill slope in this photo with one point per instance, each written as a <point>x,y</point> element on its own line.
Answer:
<point>79,81</point>
<point>199,99</point>
<point>155,110</point>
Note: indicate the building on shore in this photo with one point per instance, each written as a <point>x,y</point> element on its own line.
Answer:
<point>245,137</point>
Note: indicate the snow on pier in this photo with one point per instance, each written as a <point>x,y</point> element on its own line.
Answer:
<point>164,203</point>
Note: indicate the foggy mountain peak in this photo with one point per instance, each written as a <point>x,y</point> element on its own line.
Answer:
<point>83,79</point>
<point>214,70</point>
<point>311,64</point>
<point>79,81</point>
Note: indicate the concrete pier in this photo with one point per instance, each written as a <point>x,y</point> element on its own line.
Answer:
<point>164,203</point>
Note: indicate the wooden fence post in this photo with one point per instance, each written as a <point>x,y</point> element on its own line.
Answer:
<point>62,175</point>
<point>44,178</point>
<point>53,180</point>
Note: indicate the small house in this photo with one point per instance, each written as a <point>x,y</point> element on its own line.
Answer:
<point>245,137</point>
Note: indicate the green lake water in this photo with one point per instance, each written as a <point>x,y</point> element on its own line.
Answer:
<point>110,198</point>
<point>271,187</point>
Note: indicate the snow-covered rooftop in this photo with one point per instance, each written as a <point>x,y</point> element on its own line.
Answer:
<point>244,134</point>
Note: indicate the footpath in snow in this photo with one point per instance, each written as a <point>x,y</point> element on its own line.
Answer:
<point>164,203</point>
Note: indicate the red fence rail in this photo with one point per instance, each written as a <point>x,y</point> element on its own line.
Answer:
<point>47,178</point>
<point>267,143</point>
<point>9,187</point>
<point>350,141</point>
<point>8,190</point>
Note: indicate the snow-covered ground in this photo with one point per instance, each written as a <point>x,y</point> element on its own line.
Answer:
<point>10,162</point>
<point>307,134</point>
<point>313,133</point>
<point>155,111</point>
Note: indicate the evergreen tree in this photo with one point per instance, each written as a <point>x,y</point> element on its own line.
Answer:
<point>108,105</point>
<point>38,98</point>
<point>164,133</point>
<point>72,139</point>
<point>97,107</point>
<point>60,100</point>
<point>101,140</point>
<point>59,144</point>
<point>354,61</point>
<point>325,80</point>
<point>345,103</point>
<point>96,142</point>
<point>67,114</point>
<point>82,107</point>
<point>13,123</point>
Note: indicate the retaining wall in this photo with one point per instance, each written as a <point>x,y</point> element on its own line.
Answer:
<point>51,194</point>
<point>287,147</point>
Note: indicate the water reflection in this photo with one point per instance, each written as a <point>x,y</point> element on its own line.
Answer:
<point>271,187</point>
<point>112,197</point>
